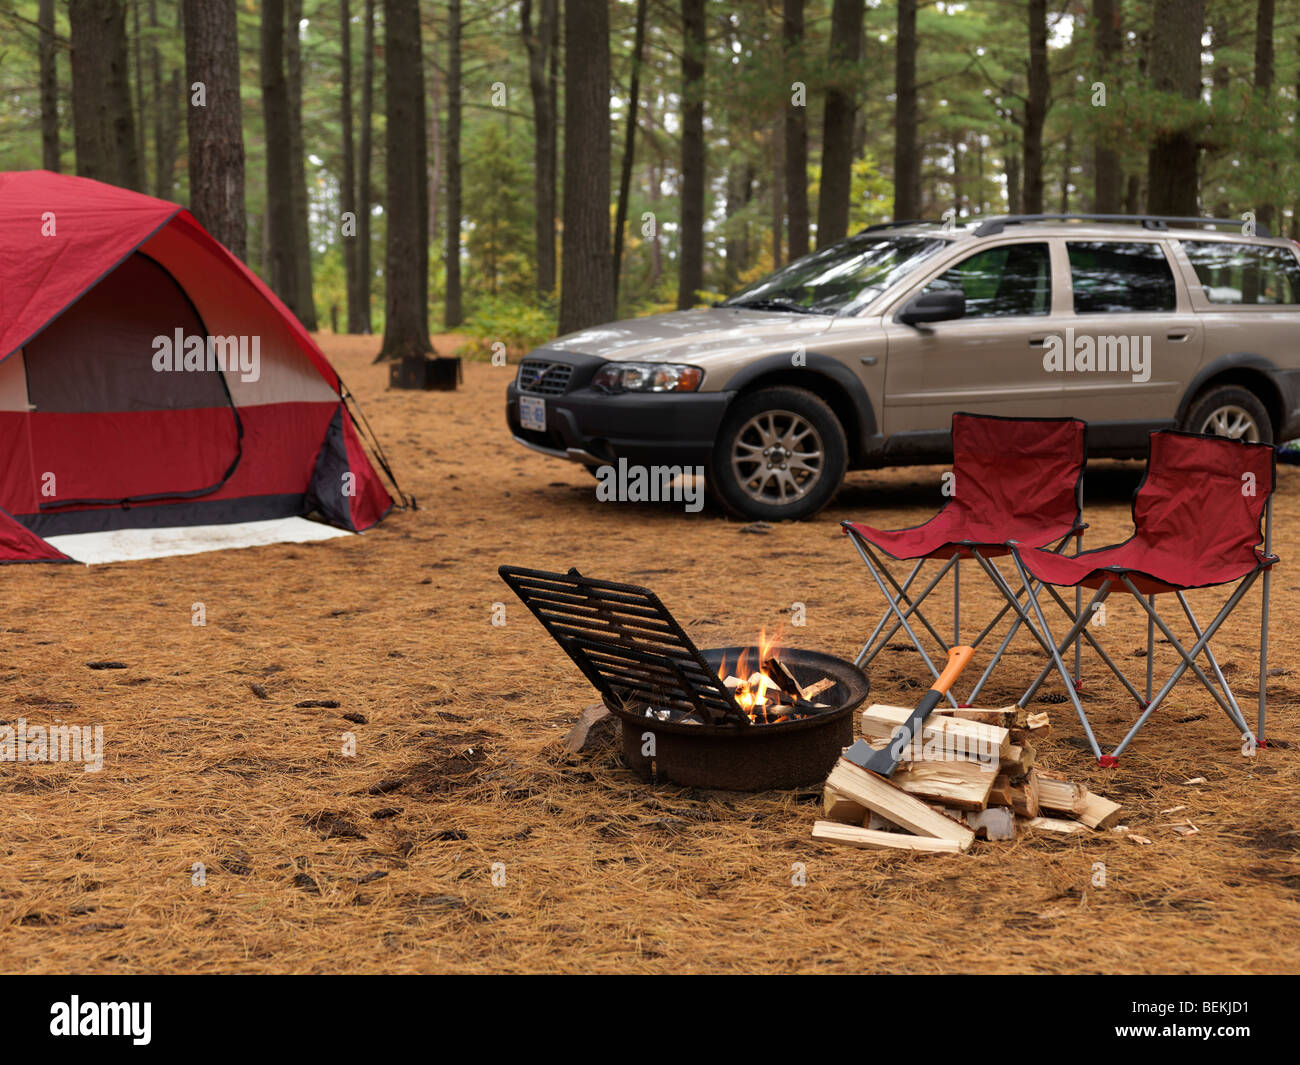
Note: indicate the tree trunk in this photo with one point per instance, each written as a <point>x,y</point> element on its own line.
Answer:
<point>1107,188</point>
<point>297,164</point>
<point>629,144</point>
<point>1011,157</point>
<point>907,157</point>
<point>356,295</point>
<point>777,192</point>
<point>49,88</point>
<point>541,44</point>
<point>690,259</point>
<point>796,137</point>
<point>837,123</point>
<point>365,275</point>
<point>406,326</point>
<point>1035,108</point>
<point>1175,66</point>
<point>138,57</point>
<point>587,284</point>
<point>453,311</point>
<point>282,271</point>
<point>1264,212</point>
<point>103,123</point>
<point>216,134</point>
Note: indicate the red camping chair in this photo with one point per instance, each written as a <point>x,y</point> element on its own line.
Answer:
<point>1196,524</point>
<point>1013,479</point>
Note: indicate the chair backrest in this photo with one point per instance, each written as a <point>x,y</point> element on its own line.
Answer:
<point>1205,494</point>
<point>1027,470</point>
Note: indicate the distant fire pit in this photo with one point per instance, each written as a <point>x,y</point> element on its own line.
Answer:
<point>739,718</point>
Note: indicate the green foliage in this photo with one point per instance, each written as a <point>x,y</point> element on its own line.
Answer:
<point>499,210</point>
<point>519,322</point>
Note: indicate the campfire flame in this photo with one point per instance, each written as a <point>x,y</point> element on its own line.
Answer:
<point>757,694</point>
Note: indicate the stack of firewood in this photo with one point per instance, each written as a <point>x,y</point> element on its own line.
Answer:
<point>969,775</point>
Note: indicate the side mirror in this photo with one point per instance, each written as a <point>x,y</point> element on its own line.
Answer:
<point>941,306</point>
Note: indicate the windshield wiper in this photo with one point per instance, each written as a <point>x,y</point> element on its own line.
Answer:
<point>772,305</point>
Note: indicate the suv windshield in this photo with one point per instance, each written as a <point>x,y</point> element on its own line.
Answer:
<point>848,274</point>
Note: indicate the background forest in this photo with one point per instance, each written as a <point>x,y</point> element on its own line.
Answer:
<point>508,169</point>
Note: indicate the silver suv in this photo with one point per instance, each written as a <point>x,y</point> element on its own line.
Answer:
<point>856,356</point>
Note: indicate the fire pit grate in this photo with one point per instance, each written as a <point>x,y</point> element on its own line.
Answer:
<point>626,643</point>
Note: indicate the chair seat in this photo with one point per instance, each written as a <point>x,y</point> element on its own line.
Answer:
<point>953,531</point>
<point>1153,568</point>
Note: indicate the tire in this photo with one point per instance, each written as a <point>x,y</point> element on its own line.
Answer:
<point>1229,410</point>
<point>758,471</point>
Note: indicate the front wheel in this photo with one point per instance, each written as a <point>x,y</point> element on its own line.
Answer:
<point>1231,411</point>
<point>780,454</point>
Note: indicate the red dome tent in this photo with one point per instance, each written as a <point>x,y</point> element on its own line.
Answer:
<point>149,379</point>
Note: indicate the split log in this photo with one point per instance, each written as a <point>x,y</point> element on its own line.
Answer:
<point>596,727</point>
<point>952,736</point>
<point>1099,812</point>
<point>1062,797</point>
<point>817,687</point>
<point>1000,795</point>
<point>1008,717</point>
<point>1024,794</point>
<point>1054,824</point>
<point>849,835</point>
<point>954,782</point>
<point>837,807</point>
<point>776,672</point>
<point>878,794</point>
<point>1036,727</point>
<point>1019,759</point>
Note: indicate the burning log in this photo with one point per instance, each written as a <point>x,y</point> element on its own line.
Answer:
<point>782,677</point>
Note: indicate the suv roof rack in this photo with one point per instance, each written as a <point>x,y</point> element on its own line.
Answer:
<point>991,226</point>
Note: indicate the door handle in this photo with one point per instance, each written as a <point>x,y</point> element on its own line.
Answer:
<point>1037,342</point>
<point>869,360</point>
<point>1177,337</point>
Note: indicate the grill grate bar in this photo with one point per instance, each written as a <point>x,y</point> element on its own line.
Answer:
<point>625,642</point>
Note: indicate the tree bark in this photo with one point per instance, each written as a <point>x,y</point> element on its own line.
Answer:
<point>103,123</point>
<point>796,135</point>
<point>629,144</point>
<point>1175,67</point>
<point>365,273</point>
<point>587,282</point>
<point>907,156</point>
<point>1035,108</point>
<point>1107,188</point>
<point>138,58</point>
<point>356,295</point>
<point>453,311</point>
<point>541,44</point>
<point>283,272</point>
<point>1011,161</point>
<point>406,326</point>
<point>297,163</point>
<point>1264,212</point>
<point>49,75</point>
<point>837,122</point>
<point>216,133</point>
<point>690,255</point>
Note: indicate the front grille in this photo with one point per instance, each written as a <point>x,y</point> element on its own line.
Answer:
<point>541,377</point>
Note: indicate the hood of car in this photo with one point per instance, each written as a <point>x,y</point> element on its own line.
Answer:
<point>693,336</point>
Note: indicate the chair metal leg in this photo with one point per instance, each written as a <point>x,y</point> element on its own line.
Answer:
<point>1084,634</point>
<point>1056,656</point>
<point>884,617</point>
<point>902,618</point>
<point>1263,619</point>
<point>1188,658</point>
<point>1234,714</point>
<point>862,547</point>
<point>956,600</point>
<point>1151,644</point>
<point>914,606</point>
<point>1080,623</point>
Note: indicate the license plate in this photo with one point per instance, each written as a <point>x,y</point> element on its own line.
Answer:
<point>532,413</point>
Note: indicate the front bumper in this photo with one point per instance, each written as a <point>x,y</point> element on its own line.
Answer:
<point>595,428</point>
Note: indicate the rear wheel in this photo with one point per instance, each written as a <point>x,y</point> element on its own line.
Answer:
<point>780,454</point>
<point>1231,411</point>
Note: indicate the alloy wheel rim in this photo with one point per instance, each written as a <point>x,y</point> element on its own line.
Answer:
<point>1232,421</point>
<point>778,457</point>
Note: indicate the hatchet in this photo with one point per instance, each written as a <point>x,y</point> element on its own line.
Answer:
<point>884,761</point>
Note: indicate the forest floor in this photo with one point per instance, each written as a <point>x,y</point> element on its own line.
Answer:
<point>229,831</point>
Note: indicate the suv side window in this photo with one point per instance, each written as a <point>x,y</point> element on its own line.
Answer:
<point>1244,273</point>
<point>1112,277</point>
<point>1014,279</point>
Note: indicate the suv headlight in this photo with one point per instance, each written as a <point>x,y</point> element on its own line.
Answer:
<point>647,377</point>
